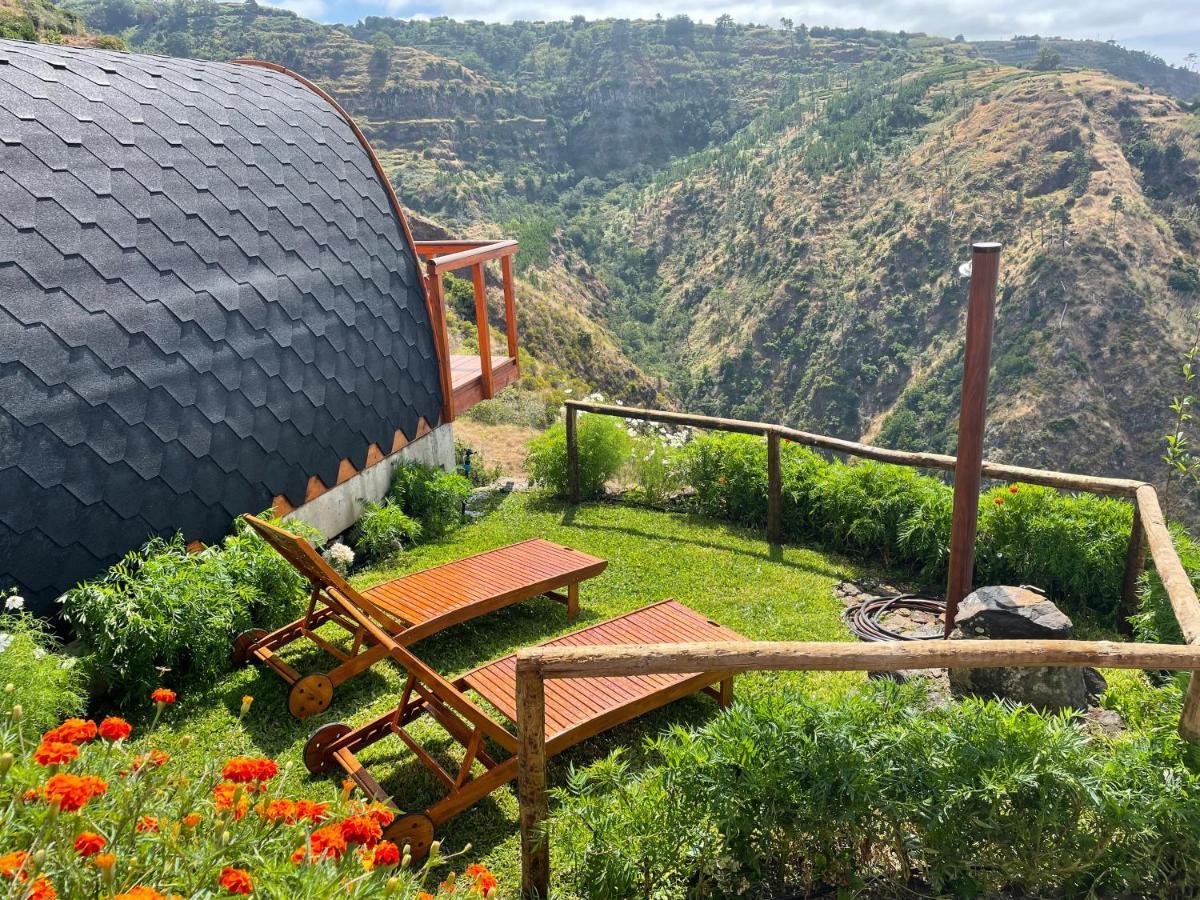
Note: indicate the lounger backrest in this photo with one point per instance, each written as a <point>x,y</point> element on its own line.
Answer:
<point>308,562</point>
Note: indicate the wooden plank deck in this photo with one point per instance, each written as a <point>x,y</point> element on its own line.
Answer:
<point>467,378</point>
<point>579,707</point>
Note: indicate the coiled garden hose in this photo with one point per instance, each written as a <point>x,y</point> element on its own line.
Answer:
<point>864,619</point>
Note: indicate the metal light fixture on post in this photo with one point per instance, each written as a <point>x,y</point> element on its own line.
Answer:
<point>968,470</point>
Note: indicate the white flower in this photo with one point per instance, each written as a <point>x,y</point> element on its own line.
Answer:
<point>68,663</point>
<point>15,602</point>
<point>39,653</point>
<point>340,557</point>
<point>5,640</point>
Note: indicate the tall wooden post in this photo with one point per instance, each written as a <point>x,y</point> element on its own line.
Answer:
<point>981,310</point>
<point>485,337</point>
<point>441,337</point>
<point>1135,562</point>
<point>510,306</point>
<point>531,781</point>
<point>572,454</point>
<point>774,489</point>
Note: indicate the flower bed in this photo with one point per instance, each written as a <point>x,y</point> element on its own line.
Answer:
<point>87,810</point>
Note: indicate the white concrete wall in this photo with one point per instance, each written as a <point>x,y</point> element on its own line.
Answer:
<point>341,506</point>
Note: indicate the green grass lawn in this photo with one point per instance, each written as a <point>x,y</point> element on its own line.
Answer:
<point>729,574</point>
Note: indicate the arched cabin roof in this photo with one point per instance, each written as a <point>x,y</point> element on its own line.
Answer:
<point>207,297</point>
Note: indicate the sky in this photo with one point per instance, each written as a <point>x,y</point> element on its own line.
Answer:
<point>1168,28</point>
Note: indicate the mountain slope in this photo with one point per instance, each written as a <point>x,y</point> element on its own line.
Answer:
<point>810,281</point>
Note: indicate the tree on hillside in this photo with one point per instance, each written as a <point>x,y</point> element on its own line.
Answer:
<point>381,58</point>
<point>1118,206</point>
<point>1048,59</point>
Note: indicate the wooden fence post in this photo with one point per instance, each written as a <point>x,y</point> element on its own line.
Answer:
<point>510,305</point>
<point>774,489</point>
<point>531,781</point>
<point>485,337</point>
<point>572,454</point>
<point>968,469</point>
<point>1135,562</point>
<point>1189,722</point>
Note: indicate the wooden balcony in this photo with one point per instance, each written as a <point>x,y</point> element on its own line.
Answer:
<point>467,379</point>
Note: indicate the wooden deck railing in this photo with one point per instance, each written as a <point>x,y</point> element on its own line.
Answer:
<point>451,256</point>
<point>536,665</point>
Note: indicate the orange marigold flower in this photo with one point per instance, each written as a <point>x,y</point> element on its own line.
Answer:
<point>312,810</point>
<point>163,695</point>
<point>386,854</point>
<point>41,889</point>
<point>377,811</point>
<point>1013,489</point>
<point>425,895</point>
<point>482,881</point>
<point>55,753</point>
<point>236,881</point>
<point>224,794</point>
<point>30,795</point>
<point>278,811</point>
<point>154,758</point>
<point>361,830</point>
<point>104,860</point>
<point>141,892</point>
<point>191,820</point>
<point>114,728</point>
<point>246,769</point>
<point>72,731</point>
<point>12,865</point>
<point>327,842</point>
<point>72,792</point>
<point>999,501</point>
<point>88,843</point>
<point>147,823</point>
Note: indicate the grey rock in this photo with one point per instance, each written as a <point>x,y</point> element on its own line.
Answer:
<point>1009,613</point>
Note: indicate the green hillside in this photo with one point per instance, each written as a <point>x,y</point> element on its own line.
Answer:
<point>769,222</point>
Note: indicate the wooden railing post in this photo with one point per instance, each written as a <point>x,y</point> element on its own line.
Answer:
<point>774,489</point>
<point>485,338</point>
<point>968,469</point>
<point>1189,721</point>
<point>1135,563</point>
<point>531,781</point>
<point>510,305</point>
<point>572,454</point>
<point>441,336</point>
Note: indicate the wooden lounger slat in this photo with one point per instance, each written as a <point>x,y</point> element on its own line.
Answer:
<point>408,608</point>
<point>575,709</point>
<point>571,701</point>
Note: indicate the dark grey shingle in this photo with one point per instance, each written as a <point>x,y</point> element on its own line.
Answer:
<point>205,298</point>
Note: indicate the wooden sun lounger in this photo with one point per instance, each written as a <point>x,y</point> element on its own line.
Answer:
<point>576,709</point>
<point>406,609</point>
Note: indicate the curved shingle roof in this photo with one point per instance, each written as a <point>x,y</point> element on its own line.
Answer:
<point>206,297</point>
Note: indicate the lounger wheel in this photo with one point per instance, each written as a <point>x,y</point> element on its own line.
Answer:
<point>310,695</point>
<point>414,831</point>
<point>242,644</point>
<point>316,752</point>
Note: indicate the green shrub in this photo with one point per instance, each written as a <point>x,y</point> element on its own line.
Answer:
<point>794,794</point>
<point>433,497</point>
<point>603,449</point>
<point>1072,546</point>
<point>46,683</point>
<point>654,470</point>
<point>1155,620</point>
<point>514,406</point>
<point>383,529</point>
<point>163,608</point>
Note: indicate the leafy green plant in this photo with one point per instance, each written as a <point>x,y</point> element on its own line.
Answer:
<point>603,448</point>
<point>35,674</point>
<point>796,794</point>
<point>1071,546</point>
<point>163,608</point>
<point>433,497</point>
<point>654,470</point>
<point>383,529</point>
<point>471,463</point>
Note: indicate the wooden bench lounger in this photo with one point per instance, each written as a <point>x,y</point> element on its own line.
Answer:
<point>576,709</point>
<point>406,609</point>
